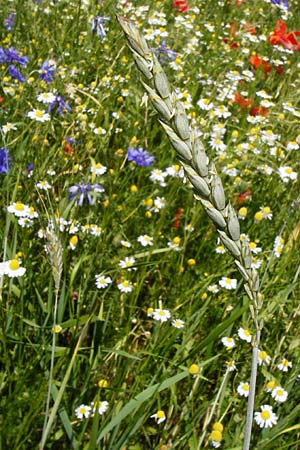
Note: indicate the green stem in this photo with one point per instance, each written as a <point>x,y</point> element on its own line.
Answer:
<point>251,398</point>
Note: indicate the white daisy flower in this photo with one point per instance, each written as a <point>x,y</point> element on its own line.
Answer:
<point>46,97</point>
<point>159,416</point>
<point>244,334</point>
<point>102,281</point>
<point>228,283</point>
<point>284,365</point>
<point>243,389</point>
<point>145,240</point>
<point>279,394</point>
<point>177,323</point>
<point>39,115</point>
<point>99,407</point>
<point>127,263</point>
<point>228,342</point>
<point>161,315</point>
<point>12,268</point>
<point>83,411</point>
<point>265,418</point>
<point>125,286</point>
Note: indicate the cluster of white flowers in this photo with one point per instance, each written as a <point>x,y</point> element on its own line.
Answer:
<point>85,411</point>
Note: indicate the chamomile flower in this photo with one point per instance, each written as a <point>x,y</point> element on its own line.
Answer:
<point>285,365</point>
<point>99,407</point>
<point>263,358</point>
<point>18,209</point>
<point>279,394</point>
<point>213,288</point>
<point>127,263</point>
<point>8,127</point>
<point>125,286</point>
<point>145,240</point>
<point>83,411</point>
<point>265,418</point>
<point>231,367</point>
<point>228,342</point>
<point>228,283</point>
<point>175,244</point>
<point>98,169</point>
<point>159,416</point>
<point>126,244</point>
<point>162,315</point>
<point>243,389</point>
<point>270,386</point>
<point>254,248</point>
<point>286,173</point>
<point>221,249</point>
<point>102,281</point>
<point>39,115</point>
<point>215,438</point>
<point>13,269</point>
<point>158,176</point>
<point>43,185</point>
<point>46,97</point>
<point>244,334</point>
<point>278,246</point>
<point>177,323</point>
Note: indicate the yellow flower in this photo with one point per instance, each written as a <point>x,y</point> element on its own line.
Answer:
<point>217,426</point>
<point>191,262</point>
<point>194,369</point>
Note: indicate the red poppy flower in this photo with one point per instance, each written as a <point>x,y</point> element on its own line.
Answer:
<point>242,101</point>
<point>181,5</point>
<point>290,40</point>
<point>1,99</point>
<point>68,150</point>
<point>248,28</point>
<point>258,62</point>
<point>242,197</point>
<point>259,111</point>
<point>177,218</point>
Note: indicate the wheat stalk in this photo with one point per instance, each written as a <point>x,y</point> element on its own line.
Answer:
<point>203,176</point>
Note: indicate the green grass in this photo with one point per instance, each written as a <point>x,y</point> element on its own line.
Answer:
<point>109,335</point>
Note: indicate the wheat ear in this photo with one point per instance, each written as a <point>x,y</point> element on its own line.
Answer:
<point>203,176</point>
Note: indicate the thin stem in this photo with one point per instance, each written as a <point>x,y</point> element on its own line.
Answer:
<point>250,406</point>
<point>44,437</point>
<point>213,409</point>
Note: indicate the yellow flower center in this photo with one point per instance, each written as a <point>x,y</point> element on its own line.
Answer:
<point>265,415</point>
<point>216,436</point>
<point>39,113</point>
<point>262,355</point>
<point>194,369</point>
<point>19,206</point>
<point>14,264</point>
<point>74,240</point>
<point>271,385</point>
<point>160,414</point>
<point>217,426</point>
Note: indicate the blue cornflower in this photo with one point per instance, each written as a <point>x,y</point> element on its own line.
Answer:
<point>60,104</point>
<point>162,50</point>
<point>83,192</point>
<point>140,156</point>
<point>9,21</point>
<point>97,27</point>
<point>15,73</point>
<point>47,71</point>
<point>11,56</point>
<point>5,160</point>
<point>283,3</point>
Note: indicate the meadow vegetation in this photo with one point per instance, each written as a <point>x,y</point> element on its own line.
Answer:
<point>125,324</point>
